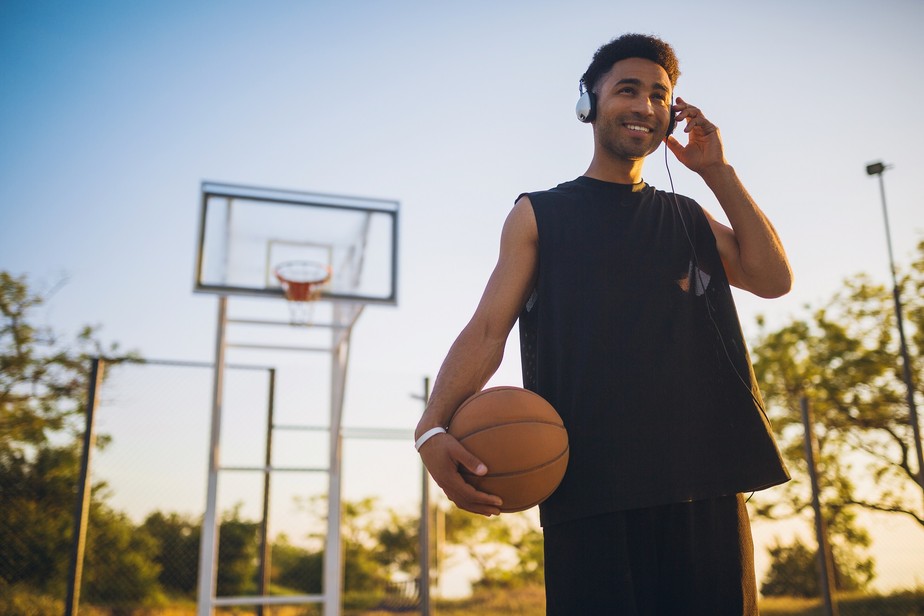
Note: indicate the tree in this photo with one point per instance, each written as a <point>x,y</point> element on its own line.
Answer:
<point>177,551</point>
<point>360,524</point>
<point>119,566</point>
<point>507,550</point>
<point>36,518</point>
<point>794,572</point>
<point>381,545</point>
<point>176,554</point>
<point>295,568</point>
<point>398,543</point>
<point>238,544</point>
<point>43,390</point>
<point>844,359</point>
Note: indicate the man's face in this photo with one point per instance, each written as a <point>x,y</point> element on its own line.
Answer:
<point>633,108</point>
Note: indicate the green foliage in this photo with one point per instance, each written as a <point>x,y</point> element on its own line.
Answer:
<point>508,549</point>
<point>363,555</point>
<point>398,543</point>
<point>381,545</point>
<point>296,569</point>
<point>119,566</point>
<point>238,543</point>
<point>844,359</point>
<point>361,551</point>
<point>38,515</point>
<point>177,551</point>
<point>794,572</point>
<point>43,391</point>
<point>43,380</point>
<point>23,599</point>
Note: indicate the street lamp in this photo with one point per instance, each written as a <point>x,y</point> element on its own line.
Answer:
<point>878,168</point>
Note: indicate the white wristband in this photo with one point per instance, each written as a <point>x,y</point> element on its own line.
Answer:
<point>426,436</point>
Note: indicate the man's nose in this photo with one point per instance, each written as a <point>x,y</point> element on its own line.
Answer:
<point>644,106</point>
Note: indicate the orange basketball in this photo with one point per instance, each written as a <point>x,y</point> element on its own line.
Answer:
<point>520,438</point>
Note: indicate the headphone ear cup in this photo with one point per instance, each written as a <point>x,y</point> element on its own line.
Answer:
<point>672,124</point>
<point>586,107</point>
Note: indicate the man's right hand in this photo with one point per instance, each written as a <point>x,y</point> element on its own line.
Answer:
<point>442,455</point>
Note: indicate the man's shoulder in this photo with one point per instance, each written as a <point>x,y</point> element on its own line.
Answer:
<point>566,187</point>
<point>565,190</point>
<point>673,197</point>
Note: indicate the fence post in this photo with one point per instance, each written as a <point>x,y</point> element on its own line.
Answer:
<point>825,562</point>
<point>424,588</point>
<point>265,547</point>
<point>82,508</point>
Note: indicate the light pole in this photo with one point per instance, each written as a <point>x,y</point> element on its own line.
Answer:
<point>878,168</point>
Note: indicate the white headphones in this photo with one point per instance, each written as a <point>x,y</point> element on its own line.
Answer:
<point>586,107</point>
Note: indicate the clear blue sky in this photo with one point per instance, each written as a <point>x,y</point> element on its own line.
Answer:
<point>112,113</point>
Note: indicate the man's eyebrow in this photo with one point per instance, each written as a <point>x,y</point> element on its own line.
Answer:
<point>635,81</point>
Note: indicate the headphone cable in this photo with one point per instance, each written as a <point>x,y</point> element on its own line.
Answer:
<point>703,284</point>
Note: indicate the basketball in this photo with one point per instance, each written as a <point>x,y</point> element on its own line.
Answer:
<point>520,438</point>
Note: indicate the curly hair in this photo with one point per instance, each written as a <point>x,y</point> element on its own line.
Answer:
<point>631,46</point>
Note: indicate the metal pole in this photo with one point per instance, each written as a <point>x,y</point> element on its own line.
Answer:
<point>82,509</point>
<point>333,550</point>
<point>825,561</point>
<point>208,544</point>
<point>878,169</point>
<point>425,542</point>
<point>265,549</point>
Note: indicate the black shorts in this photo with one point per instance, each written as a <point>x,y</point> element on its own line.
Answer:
<point>677,560</point>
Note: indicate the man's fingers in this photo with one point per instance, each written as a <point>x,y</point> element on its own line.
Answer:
<point>466,491</point>
<point>465,458</point>
<point>444,456</point>
<point>465,496</point>
<point>693,117</point>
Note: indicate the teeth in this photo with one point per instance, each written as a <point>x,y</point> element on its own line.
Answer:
<point>637,127</point>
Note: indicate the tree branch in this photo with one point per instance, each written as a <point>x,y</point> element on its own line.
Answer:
<point>888,509</point>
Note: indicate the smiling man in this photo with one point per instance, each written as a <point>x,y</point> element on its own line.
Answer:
<point>628,327</point>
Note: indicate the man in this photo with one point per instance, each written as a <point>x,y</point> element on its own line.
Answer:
<point>629,330</point>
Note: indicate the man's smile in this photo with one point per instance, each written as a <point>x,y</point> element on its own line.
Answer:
<point>638,128</point>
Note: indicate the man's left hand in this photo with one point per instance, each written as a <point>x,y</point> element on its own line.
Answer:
<point>704,145</point>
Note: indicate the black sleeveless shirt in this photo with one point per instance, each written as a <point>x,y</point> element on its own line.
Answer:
<point>632,335</point>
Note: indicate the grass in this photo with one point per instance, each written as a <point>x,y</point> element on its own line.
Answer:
<point>525,601</point>
<point>530,601</point>
<point>908,603</point>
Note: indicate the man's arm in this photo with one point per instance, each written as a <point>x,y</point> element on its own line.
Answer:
<point>751,250</point>
<point>475,356</point>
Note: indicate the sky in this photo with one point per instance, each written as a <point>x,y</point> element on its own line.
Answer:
<point>113,113</point>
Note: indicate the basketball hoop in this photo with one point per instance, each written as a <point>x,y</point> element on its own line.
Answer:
<point>302,282</point>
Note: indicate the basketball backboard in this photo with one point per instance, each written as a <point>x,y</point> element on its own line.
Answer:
<point>246,232</point>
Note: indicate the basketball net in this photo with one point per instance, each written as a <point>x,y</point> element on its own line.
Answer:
<point>302,282</point>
